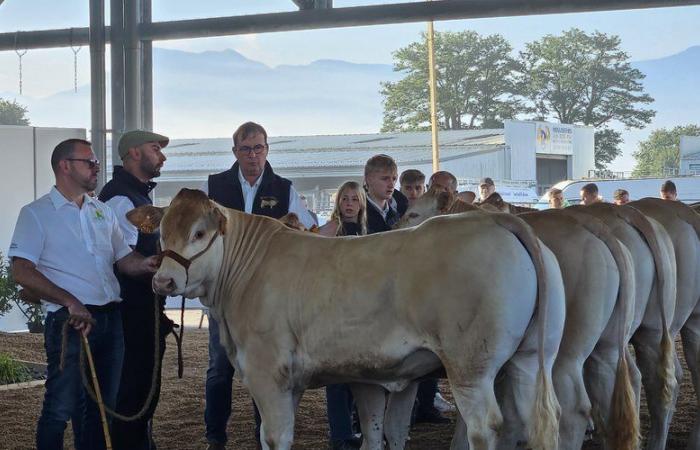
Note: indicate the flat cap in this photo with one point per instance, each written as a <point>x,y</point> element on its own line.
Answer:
<point>134,138</point>
<point>486,180</point>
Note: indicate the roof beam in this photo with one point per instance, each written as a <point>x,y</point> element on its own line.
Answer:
<point>335,18</point>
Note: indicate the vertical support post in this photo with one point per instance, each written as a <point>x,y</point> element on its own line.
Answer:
<point>117,73</point>
<point>98,134</point>
<point>147,70</point>
<point>132,65</point>
<point>433,97</point>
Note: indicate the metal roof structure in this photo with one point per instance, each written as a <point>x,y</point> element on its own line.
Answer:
<point>332,155</point>
<point>132,32</point>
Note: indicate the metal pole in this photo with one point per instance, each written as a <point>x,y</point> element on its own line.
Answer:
<point>433,97</point>
<point>340,17</point>
<point>117,73</point>
<point>98,89</point>
<point>132,65</point>
<point>147,71</point>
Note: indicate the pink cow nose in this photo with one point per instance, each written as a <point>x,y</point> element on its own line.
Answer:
<point>163,285</point>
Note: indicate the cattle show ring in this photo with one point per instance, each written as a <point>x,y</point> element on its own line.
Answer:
<point>155,311</point>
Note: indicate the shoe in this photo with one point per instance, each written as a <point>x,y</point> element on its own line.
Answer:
<point>443,405</point>
<point>216,446</point>
<point>345,444</point>
<point>431,415</point>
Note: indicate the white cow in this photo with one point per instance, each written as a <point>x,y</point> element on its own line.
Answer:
<point>298,310</point>
<point>599,282</point>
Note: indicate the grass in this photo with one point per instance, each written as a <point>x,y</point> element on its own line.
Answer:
<point>12,371</point>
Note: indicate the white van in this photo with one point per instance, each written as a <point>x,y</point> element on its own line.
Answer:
<point>688,189</point>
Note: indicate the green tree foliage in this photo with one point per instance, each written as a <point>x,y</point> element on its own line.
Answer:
<point>12,113</point>
<point>585,79</point>
<point>8,288</point>
<point>607,147</point>
<point>659,155</point>
<point>475,83</point>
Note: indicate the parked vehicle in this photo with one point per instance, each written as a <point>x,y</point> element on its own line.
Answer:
<point>688,189</point>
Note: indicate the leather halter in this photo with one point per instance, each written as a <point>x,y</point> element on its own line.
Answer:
<point>184,262</point>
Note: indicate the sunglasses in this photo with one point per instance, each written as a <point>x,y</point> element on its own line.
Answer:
<point>92,163</point>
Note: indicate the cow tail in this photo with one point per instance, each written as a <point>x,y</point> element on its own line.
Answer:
<point>666,369</point>
<point>624,428</point>
<point>544,426</point>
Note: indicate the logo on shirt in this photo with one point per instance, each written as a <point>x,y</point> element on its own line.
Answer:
<point>99,215</point>
<point>268,202</point>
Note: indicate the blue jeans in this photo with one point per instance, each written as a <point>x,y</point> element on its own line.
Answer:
<point>218,390</point>
<point>65,397</point>
<point>339,403</point>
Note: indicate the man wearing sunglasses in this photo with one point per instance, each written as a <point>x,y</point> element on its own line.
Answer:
<point>63,251</point>
<point>142,158</point>
<point>250,186</point>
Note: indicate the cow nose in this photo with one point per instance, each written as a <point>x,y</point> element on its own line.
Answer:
<point>163,285</point>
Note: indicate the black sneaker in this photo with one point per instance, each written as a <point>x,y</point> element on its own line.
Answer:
<point>430,415</point>
<point>346,444</point>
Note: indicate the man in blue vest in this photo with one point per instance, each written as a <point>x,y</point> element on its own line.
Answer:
<point>130,186</point>
<point>250,186</point>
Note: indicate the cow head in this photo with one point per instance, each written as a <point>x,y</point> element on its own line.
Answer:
<point>433,203</point>
<point>191,231</point>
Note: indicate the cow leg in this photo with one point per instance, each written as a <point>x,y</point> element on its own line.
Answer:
<point>370,400</point>
<point>277,413</point>
<point>478,408</point>
<point>690,333</point>
<point>573,400</point>
<point>648,356</point>
<point>516,392</point>
<point>460,441</point>
<point>397,420</point>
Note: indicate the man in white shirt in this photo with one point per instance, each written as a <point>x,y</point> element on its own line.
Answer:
<point>250,186</point>
<point>63,250</point>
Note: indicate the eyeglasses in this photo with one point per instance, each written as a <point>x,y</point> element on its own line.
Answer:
<point>92,163</point>
<point>257,149</point>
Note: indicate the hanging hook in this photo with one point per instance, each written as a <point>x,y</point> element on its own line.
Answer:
<point>75,51</point>
<point>20,54</point>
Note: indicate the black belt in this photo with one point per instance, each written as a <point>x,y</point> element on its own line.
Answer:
<point>112,306</point>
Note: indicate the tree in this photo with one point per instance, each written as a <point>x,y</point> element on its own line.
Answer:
<point>12,113</point>
<point>585,79</point>
<point>607,147</point>
<point>659,155</point>
<point>475,83</point>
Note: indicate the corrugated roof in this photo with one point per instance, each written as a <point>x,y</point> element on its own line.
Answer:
<point>294,152</point>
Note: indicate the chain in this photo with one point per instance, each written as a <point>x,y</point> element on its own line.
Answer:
<point>20,54</point>
<point>75,51</point>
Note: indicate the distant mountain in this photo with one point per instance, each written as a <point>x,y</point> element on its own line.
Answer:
<point>208,94</point>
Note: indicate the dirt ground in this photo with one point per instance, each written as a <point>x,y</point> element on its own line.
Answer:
<point>179,422</point>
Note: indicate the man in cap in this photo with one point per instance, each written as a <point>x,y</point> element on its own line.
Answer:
<point>486,188</point>
<point>668,191</point>
<point>130,187</point>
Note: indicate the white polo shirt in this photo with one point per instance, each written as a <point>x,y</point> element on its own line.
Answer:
<point>75,248</point>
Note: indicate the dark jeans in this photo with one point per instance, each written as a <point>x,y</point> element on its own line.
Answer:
<point>65,396</point>
<point>339,403</point>
<point>219,388</point>
<point>426,394</point>
<point>137,373</point>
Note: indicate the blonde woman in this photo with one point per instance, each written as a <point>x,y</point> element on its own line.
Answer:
<point>349,216</point>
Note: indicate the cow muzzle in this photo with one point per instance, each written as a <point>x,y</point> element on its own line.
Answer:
<point>163,284</point>
<point>166,285</point>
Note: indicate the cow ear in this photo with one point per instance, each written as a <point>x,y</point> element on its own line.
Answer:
<point>221,219</point>
<point>146,218</point>
<point>444,200</point>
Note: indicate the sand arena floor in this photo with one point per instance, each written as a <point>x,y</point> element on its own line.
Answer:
<point>179,422</point>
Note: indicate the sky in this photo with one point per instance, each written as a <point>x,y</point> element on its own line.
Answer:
<point>645,34</point>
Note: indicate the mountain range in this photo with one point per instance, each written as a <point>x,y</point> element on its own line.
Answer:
<point>208,94</point>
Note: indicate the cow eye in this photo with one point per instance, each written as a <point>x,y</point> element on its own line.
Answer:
<point>198,235</point>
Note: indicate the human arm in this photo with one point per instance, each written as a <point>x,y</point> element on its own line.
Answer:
<point>329,229</point>
<point>121,205</point>
<point>25,273</point>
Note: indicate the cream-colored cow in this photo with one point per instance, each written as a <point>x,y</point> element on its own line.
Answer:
<point>683,226</point>
<point>299,311</point>
<point>599,281</point>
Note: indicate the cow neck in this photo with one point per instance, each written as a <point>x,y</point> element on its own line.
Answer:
<point>245,246</point>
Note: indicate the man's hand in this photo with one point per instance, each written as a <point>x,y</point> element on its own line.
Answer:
<point>80,318</point>
<point>136,265</point>
<point>150,264</point>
